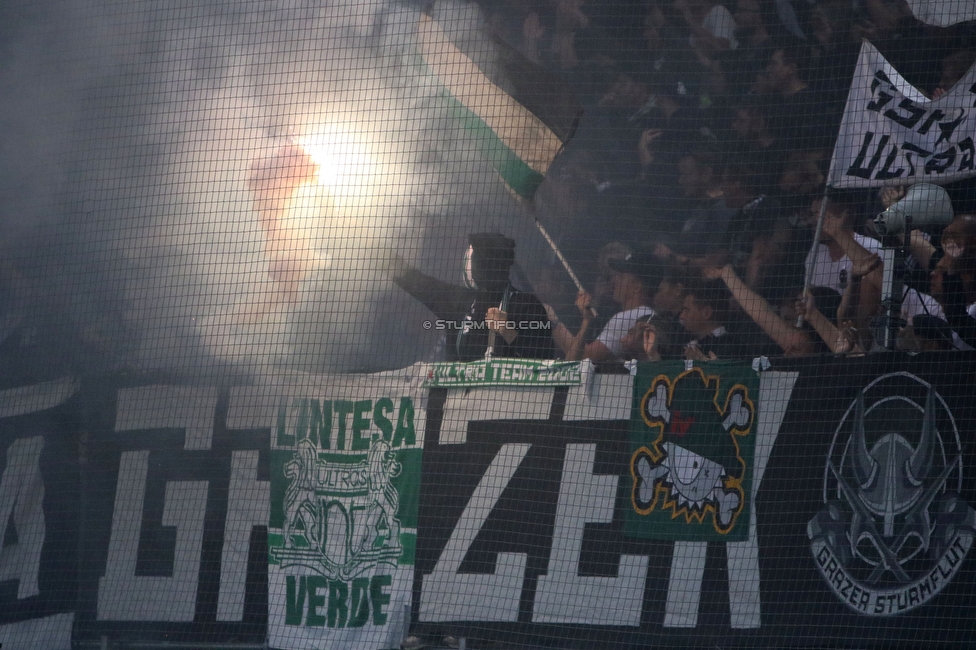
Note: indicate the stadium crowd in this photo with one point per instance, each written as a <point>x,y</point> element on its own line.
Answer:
<point>697,174</point>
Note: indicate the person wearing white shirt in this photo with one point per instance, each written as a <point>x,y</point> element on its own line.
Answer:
<point>831,263</point>
<point>635,281</point>
<point>915,304</point>
<point>831,266</point>
<point>712,25</point>
<point>845,258</point>
<point>843,263</point>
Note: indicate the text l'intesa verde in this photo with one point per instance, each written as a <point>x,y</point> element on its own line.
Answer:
<point>346,424</point>
<point>334,603</point>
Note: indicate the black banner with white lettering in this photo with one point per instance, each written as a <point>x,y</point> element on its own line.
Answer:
<point>138,511</point>
<point>866,512</point>
<point>175,540</point>
<point>39,502</point>
<point>863,529</point>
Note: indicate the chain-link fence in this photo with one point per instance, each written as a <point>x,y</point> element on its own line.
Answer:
<point>552,323</point>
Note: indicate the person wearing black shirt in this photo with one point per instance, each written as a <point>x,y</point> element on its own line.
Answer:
<point>703,316</point>
<point>486,303</point>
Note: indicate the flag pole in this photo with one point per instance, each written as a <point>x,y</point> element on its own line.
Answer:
<point>559,255</point>
<point>811,270</point>
<point>562,259</point>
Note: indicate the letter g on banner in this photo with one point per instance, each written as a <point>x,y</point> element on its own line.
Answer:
<point>122,595</point>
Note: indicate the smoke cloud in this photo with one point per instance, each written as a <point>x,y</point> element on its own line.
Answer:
<point>128,132</point>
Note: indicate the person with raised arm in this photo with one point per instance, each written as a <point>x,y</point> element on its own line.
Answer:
<point>635,282</point>
<point>487,310</point>
<point>847,262</point>
<point>794,342</point>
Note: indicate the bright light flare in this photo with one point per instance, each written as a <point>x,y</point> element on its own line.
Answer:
<point>344,160</point>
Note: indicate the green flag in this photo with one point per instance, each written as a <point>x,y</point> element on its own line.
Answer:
<point>692,437</point>
<point>519,131</point>
<point>342,530</point>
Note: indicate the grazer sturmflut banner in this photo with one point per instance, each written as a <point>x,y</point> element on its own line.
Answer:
<point>345,477</point>
<point>858,515</point>
<point>884,497</point>
<point>138,509</point>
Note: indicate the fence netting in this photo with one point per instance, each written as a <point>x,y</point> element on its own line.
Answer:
<point>494,324</point>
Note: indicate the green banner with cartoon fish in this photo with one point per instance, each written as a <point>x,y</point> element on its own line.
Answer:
<point>692,437</point>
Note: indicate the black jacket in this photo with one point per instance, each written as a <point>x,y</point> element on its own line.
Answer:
<point>463,310</point>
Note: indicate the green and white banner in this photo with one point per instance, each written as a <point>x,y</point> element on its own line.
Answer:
<point>520,128</point>
<point>345,481</point>
<point>693,441</point>
<point>506,372</point>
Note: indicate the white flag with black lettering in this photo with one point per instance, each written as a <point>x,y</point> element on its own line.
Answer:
<point>943,12</point>
<point>892,134</point>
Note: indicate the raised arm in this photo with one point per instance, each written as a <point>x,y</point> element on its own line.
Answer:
<point>445,300</point>
<point>793,341</point>
<point>584,304</point>
<point>862,297</point>
<point>807,308</point>
<point>863,259</point>
<point>561,335</point>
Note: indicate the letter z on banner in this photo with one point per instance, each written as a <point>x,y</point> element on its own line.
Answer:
<point>545,507</point>
<point>892,134</point>
<point>345,478</point>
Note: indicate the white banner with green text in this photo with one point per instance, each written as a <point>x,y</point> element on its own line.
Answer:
<point>345,479</point>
